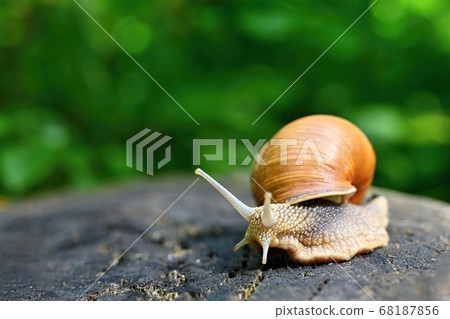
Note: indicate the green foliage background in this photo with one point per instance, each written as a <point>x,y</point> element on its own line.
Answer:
<point>70,97</point>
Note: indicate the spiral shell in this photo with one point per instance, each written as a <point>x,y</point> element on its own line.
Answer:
<point>332,159</point>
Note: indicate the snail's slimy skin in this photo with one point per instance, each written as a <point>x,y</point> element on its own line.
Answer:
<point>314,231</point>
<point>320,231</point>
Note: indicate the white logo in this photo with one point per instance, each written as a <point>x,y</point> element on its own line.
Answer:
<point>145,144</point>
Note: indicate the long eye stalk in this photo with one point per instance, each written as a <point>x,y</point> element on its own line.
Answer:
<point>242,209</point>
<point>267,218</point>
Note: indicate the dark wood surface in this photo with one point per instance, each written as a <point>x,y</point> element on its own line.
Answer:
<point>55,246</point>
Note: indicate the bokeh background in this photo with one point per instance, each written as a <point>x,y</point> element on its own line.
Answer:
<point>70,97</point>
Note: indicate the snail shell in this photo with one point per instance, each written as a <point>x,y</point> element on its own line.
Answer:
<point>315,217</point>
<point>341,162</point>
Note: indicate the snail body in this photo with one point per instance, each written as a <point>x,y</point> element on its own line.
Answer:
<point>315,214</point>
<point>320,231</point>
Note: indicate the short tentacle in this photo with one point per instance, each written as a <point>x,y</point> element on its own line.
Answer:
<point>240,244</point>
<point>265,246</point>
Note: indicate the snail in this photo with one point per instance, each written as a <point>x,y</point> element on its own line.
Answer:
<point>311,199</point>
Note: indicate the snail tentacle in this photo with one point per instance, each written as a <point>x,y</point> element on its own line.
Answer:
<point>244,241</point>
<point>267,218</point>
<point>265,246</point>
<point>242,209</point>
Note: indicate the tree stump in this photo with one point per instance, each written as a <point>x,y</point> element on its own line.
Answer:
<point>55,247</point>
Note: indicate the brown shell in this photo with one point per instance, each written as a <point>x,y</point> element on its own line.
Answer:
<point>344,167</point>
